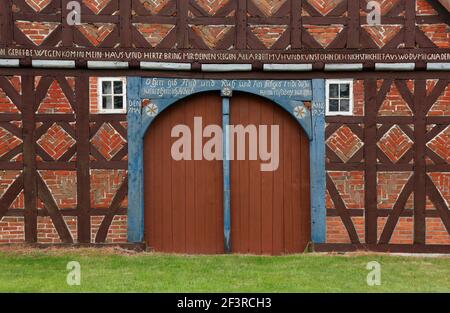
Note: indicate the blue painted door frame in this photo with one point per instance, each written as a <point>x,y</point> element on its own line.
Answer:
<point>162,93</point>
<point>226,173</point>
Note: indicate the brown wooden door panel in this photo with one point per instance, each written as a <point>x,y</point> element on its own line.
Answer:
<point>183,199</point>
<point>270,211</point>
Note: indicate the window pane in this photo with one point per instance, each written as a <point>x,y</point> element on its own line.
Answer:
<point>334,106</point>
<point>334,90</point>
<point>106,88</point>
<point>118,103</point>
<point>118,88</point>
<point>345,106</point>
<point>106,103</point>
<point>345,91</point>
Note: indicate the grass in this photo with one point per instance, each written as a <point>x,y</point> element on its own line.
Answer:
<point>32,270</point>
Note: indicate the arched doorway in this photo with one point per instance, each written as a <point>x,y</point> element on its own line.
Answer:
<point>270,211</point>
<point>184,207</point>
<point>183,199</point>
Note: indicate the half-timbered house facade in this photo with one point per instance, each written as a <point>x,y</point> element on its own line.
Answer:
<point>87,109</point>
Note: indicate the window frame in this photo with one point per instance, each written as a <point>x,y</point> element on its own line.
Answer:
<point>327,97</point>
<point>100,95</point>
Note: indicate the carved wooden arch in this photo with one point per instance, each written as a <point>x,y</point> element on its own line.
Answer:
<point>294,105</point>
<point>162,93</point>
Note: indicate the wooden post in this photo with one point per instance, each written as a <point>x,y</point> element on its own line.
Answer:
<point>353,25</point>
<point>6,23</point>
<point>241,24</point>
<point>125,24</point>
<point>2,24</point>
<point>370,155</point>
<point>135,162</point>
<point>29,158</point>
<point>419,161</point>
<point>83,159</point>
<point>317,160</point>
<point>67,30</point>
<point>226,173</point>
<point>296,22</point>
<point>182,24</point>
<point>410,24</point>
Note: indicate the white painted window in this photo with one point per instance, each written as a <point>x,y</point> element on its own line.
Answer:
<point>112,95</point>
<point>339,97</point>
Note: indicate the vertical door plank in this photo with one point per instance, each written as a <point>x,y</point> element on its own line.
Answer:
<point>270,210</point>
<point>183,199</point>
<point>267,180</point>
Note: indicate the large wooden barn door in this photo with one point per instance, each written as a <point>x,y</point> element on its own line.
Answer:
<point>183,199</point>
<point>270,211</point>
<point>184,212</point>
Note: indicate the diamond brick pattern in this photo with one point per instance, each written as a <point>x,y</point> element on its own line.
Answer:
<point>382,34</point>
<point>394,104</point>
<point>441,144</point>
<point>268,35</point>
<point>108,141</point>
<point>154,33</point>
<point>55,101</point>
<point>38,5</point>
<point>395,143</point>
<point>211,6</point>
<point>7,141</point>
<point>154,6</point>
<point>211,34</point>
<point>439,34</point>
<point>269,7</point>
<point>324,6</point>
<point>423,7</point>
<point>344,143</point>
<point>37,32</point>
<point>56,141</point>
<point>96,33</point>
<point>96,6</point>
<point>324,35</point>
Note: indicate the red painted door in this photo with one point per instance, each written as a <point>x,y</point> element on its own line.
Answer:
<point>183,199</point>
<point>270,211</point>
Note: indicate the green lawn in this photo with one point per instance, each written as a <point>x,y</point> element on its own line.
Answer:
<point>29,270</point>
